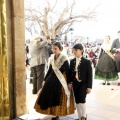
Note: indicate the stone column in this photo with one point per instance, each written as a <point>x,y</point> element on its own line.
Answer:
<point>16,57</point>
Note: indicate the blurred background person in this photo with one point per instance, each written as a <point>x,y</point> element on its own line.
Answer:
<point>93,57</point>
<point>49,52</point>
<point>85,54</point>
<point>106,68</point>
<point>49,45</point>
<point>37,62</point>
<point>116,51</point>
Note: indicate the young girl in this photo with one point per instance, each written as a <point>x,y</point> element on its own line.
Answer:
<point>55,97</point>
<point>81,74</point>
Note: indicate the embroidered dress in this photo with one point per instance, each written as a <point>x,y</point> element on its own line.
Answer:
<point>106,68</point>
<point>53,98</point>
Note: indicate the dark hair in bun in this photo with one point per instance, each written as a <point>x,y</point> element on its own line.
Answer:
<point>59,45</point>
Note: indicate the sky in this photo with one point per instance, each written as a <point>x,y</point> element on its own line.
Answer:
<point>107,21</point>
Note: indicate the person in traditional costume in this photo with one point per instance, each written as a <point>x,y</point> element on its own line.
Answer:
<point>81,75</point>
<point>106,68</point>
<point>116,51</point>
<point>56,98</point>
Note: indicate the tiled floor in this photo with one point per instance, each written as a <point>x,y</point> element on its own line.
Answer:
<point>102,104</point>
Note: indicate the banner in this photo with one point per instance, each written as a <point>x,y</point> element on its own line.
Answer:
<point>4,89</point>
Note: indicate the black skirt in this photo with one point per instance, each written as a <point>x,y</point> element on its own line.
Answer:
<point>117,60</point>
<point>51,92</point>
<point>106,68</point>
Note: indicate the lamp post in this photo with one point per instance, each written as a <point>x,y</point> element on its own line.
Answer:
<point>71,29</point>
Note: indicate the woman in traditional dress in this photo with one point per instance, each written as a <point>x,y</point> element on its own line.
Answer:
<point>56,98</point>
<point>106,68</point>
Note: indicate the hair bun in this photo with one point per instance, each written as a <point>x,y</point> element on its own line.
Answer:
<point>59,45</point>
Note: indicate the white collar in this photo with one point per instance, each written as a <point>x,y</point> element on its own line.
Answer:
<point>78,58</point>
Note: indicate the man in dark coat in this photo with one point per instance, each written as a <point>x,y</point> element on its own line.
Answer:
<point>116,51</point>
<point>49,47</point>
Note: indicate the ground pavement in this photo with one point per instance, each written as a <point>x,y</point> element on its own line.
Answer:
<point>102,104</point>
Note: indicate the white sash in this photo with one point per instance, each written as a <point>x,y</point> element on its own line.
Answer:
<point>62,81</point>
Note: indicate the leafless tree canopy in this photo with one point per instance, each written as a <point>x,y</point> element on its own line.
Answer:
<point>51,19</point>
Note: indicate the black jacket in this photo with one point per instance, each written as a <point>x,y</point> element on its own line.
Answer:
<point>84,71</point>
<point>115,45</point>
<point>49,49</point>
<point>64,69</point>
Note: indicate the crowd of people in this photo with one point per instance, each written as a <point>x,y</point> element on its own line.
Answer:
<point>91,52</point>
<point>69,73</point>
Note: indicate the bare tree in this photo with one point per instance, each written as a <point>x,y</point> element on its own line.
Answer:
<point>51,21</point>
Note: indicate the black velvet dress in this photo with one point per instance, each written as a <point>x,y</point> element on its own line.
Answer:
<point>106,68</point>
<point>52,98</point>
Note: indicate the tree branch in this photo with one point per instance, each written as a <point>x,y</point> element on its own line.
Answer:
<point>62,23</point>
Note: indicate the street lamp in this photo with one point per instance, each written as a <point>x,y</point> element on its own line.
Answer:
<point>71,29</point>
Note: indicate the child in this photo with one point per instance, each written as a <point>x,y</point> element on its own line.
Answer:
<point>81,75</point>
<point>55,97</point>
